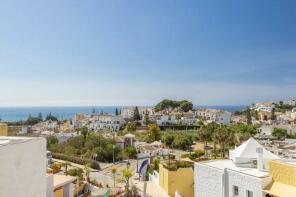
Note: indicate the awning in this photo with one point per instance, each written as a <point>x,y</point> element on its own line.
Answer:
<point>280,189</point>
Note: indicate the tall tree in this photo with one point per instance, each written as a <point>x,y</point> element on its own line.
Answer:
<point>273,116</point>
<point>249,116</point>
<point>130,127</point>
<point>126,175</point>
<point>204,134</point>
<point>113,171</point>
<point>51,117</point>
<point>153,133</point>
<point>116,112</point>
<point>146,120</point>
<point>279,133</point>
<point>40,117</point>
<point>136,114</point>
<point>225,136</point>
<point>168,141</point>
<point>212,127</point>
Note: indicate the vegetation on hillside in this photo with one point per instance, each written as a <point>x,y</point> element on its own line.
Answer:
<point>93,146</point>
<point>279,133</point>
<point>182,105</point>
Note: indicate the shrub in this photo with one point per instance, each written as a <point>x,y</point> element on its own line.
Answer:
<point>78,172</point>
<point>82,161</point>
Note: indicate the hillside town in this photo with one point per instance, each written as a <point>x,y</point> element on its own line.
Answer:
<point>170,149</point>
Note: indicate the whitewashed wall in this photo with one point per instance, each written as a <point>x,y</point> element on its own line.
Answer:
<point>245,183</point>
<point>208,181</point>
<point>23,169</point>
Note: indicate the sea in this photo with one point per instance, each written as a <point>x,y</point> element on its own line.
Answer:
<point>13,114</point>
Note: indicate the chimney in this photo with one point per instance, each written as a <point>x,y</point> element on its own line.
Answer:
<point>259,152</point>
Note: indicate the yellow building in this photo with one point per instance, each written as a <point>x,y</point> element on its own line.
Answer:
<point>283,179</point>
<point>65,127</point>
<point>177,179</point>
<point>61,185</point>
<point>3,129</point>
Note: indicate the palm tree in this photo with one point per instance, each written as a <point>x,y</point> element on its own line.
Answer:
<point>66,164</point>
<point>113,171</point>
<point>225,136</point>
<point>204,134</point>
<point>212,127</point>
<point>126,175</point>
<point>168,140</point>
<point>87,172</point>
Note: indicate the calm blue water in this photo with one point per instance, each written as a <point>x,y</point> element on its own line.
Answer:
<point>10,114</point>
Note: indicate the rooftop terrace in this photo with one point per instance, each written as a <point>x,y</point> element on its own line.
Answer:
<point>5,140</point>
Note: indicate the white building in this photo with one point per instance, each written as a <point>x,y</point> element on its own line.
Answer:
<point>243,175</point>
<point>268,129</point>
<point>290,102</point>
<point>214,115</point>
<point>167,120</point>
<point>293,113</point>
<point>264,106</point>
<point>22,167</point>
<point>128,113</point>
<point>107,122</point>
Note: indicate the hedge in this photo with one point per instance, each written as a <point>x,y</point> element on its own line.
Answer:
<point>178,127</point>
<point>82,161</point>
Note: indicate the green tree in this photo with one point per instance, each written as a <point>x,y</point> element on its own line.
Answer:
<point>126,175</point>
<point>77,142</point>
<point>87,172</point>
<point>185,105</point>
<point>136,114</point>
<point>225,136</point>
<point>51,117</point>
<point>249,116</point>
<point>116,112</point>
<point>40,117</point>
<point>51,141</point>
<point>70,151</point>
<point>32,120</point>
<point>279,133</point>
<point>65,165</point>
<point>168,140</point>
<point>84,132</point>
<point>131,152</point>
<point>212,127</point>
<point>273,116</point>
<point>182,142</point>
<point>146,119</point>
<point>156,163</point>
<point>153,133</point>
<point>204,134</point>
<point>113,171</point>
<point>77,172</point>
<point>130,127</point>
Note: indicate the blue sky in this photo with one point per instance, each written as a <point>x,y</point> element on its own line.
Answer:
<point>97,52</point>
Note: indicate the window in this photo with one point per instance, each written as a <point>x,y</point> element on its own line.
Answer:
<point>235,190</point>
<point>249,193</point>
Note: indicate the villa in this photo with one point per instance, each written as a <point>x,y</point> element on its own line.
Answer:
<point>214,115</point>
<point>244,174</point>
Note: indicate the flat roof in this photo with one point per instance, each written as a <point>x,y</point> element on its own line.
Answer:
<point>61,180</point>
<point>5,140</point>
<point>228,164</point>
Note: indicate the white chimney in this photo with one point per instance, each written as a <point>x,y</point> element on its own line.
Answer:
<point>260,164</point>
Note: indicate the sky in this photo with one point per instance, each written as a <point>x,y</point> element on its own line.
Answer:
<point>131,52</point>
